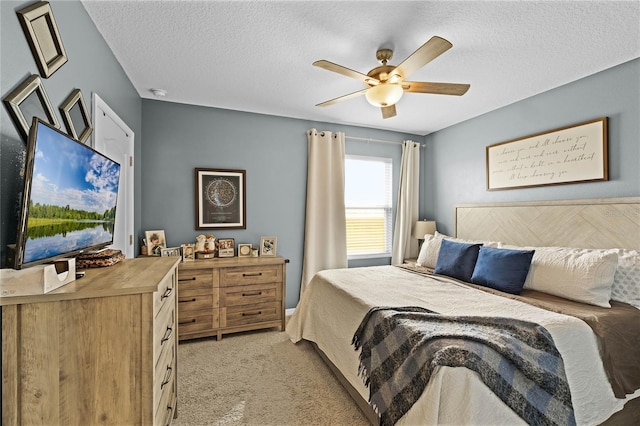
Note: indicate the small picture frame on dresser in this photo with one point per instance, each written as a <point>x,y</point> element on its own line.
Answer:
<point>244,250</point>
<point>226,247</point>
<point>188,252</point>
<point>170,251</point>
<point>268,246</point>
<point>156,241</point>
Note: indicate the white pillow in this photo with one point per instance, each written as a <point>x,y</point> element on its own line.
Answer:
<point>626,281</point>
<point>583,275</point>
<point>422,256</point>
<point>430,249</point>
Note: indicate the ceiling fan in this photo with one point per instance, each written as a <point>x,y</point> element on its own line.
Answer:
<point>386,83</point>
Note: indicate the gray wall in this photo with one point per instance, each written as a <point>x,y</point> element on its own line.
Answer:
<point>454,168</point>
<point>91,67</point>
<point>273,150</point>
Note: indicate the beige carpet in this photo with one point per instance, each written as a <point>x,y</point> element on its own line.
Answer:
<point>259,378</point>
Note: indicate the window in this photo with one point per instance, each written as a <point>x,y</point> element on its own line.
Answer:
<point>368,183</point>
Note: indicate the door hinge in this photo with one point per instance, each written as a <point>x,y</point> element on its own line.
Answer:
<point>130,239</point>
<point>130,161</point>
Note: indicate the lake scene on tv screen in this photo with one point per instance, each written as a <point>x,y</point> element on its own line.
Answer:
<point>72,204</point>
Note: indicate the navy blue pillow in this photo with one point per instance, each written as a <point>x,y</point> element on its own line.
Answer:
<point>457,260</point>
<point>502,269</point>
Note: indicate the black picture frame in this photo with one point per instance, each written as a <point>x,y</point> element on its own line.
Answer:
<point>27,101</point>
<point>220,196</point>
<point>43,37</point>
<point>76,116</point>
<point>226,247</point>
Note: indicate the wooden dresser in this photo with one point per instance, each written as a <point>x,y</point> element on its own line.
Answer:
<point>99,350</point>
<point>228,295</point>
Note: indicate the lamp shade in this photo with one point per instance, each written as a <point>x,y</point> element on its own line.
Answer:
<point>385,94</point>
<point>423,227</point>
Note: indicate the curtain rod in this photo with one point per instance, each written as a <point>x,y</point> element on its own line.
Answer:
<point>375,140</point>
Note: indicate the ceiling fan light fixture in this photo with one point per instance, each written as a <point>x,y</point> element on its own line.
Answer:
<point>395,78</point>
<point>384,95</point>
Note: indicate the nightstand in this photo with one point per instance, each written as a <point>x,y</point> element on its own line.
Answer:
<point>411,262</point>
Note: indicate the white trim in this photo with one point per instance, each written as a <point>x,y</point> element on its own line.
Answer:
<point>99,106</point>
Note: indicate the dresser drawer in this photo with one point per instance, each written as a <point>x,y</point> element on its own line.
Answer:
<point>250,275</point>
<point>191,279</point>
<point>250,314</point>
<point>198,299</point>
<point>193,322</point>
<point>164,382</point>
<point>163,334</point>
<point>165,294</point>
<point>167,407</point>
<point>249,294</point>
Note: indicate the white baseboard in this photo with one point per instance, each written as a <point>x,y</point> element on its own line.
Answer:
<point>289,312</point>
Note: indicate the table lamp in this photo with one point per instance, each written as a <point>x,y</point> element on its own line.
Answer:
<point>422,227</point>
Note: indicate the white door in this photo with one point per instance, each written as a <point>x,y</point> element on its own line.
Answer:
<point>113,138</point>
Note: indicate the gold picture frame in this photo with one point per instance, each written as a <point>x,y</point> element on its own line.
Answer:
<point>571,154</point>
<point>43,37</point>
<point>27,101</point>
<point>76,116</point>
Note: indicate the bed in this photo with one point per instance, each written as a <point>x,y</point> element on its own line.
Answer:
<point>601,372</point>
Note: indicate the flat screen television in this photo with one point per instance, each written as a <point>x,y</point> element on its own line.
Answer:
<point>69,199</point>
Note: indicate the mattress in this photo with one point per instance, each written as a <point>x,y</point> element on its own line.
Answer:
<point>335,302</point>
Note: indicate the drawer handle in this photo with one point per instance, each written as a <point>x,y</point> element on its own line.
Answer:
<point>187,300</point>
<point>166,293</point>
<point>259,274</point>
<point>252,293</point>
<point>167,335</point>
<point>251,314</point>
<point>169,415</point>
<point>187,279</point>
<point>187,322</point>
<point>167,376</point>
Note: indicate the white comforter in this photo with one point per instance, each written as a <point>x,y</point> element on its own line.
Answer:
<point>335,302</point>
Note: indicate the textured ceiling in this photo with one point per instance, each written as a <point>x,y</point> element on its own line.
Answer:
<point>256,56</point>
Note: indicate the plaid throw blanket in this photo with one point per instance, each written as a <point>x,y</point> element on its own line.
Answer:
<point>517,360</point>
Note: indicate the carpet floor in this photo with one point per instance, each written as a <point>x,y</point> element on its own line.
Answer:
<point>259,378</point>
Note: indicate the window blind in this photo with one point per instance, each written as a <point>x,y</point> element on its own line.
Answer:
<point>368,205</point>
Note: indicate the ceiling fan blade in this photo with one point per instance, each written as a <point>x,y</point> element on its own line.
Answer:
<point>388,111</point>
<point>330,66</point>
<point>435,88</point>
<point>342,98</point>
<point>426,53</point>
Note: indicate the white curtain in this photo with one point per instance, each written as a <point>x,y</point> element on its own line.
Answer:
<point>325,231</point>
<point>404,246</point>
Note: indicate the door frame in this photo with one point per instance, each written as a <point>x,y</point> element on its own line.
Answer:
<point>98,104</point>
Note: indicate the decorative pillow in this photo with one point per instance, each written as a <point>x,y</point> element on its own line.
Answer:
<point>502,269</point>
<point>457,260</point>
<point>432,248</point>
<point>583,275</point>
<point>626,281</point>
<point>422,256</point>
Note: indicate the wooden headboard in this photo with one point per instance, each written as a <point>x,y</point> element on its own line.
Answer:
<point>589,223</point>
